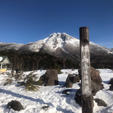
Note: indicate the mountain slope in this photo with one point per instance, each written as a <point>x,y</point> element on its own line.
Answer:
<point>60,45</point>
<point>10,46</point>
<point>111,50</point>
<point>50,44</point>
<point>63,45</point>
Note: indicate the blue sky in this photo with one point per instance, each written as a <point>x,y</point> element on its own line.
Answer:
<point>24,21</point>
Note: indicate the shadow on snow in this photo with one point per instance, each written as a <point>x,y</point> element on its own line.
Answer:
<point>23,96</point>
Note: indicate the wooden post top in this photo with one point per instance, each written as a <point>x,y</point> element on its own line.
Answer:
<point>84,34</point>
<point>84,27</point>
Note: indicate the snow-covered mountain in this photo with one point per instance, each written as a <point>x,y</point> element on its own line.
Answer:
<point>61,42</point>
<point>10,46</point>
<point>111,49</point>
<point>60,46</point>
<point>57,44</point>
<point>51,44</point>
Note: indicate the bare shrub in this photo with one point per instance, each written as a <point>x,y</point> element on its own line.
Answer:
<point>8,81</point>
<point>30,81</point>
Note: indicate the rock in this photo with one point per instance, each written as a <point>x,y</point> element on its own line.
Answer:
<point>52,78</point>
<point>69,84</point>
<point>42,80</point>
<point>111,81</point>
<point>96,87</point>
<point>21,83</point>
<point>96,81</point>
<point>67,91</point>
<point>79,98</point>
<point>87,102</point>
<point>49,78</point>
<point>100,102</point>
<point>111,87</point>
<point>15,105</point>
<point>95,75</point>
<point>45,107</point>
<point>71,79</point>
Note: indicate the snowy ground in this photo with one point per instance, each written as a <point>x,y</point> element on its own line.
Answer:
<point>52,96</point>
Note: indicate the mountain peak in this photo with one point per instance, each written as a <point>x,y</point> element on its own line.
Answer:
<point>63,36</point>
<point>59,40</point>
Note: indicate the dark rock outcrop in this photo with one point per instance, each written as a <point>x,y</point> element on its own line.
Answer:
<point>15,105</point>
<point>96,87</point>
<point>111,86</point>
<point>111,81</point>
<point>49,78</point>
<point>96,81</point>
<point>72,78</point>
<point>68,91</point>
<point>79,98</point>
<point>45,107</point>
<point>100,102</point>
<point>95,75</point>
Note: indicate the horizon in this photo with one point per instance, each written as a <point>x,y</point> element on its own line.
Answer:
<point>28,21</point>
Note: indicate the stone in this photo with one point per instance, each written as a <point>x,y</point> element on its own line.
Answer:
<point>72,78</point>
<point>95,75</point>
<point>45,107</point>
<point>111,81</point>
<point>96,87</point>
<point>49,78</point>
<point>67,91</point>
<point>52,78</point>
<point>69,84</point>
<point>96,81</point>
<point>87,104</point>
<point>42,80</point>
<point>15,105</point>
<point>79,98</point>
<point>100,102</point>
<point>111,87</point>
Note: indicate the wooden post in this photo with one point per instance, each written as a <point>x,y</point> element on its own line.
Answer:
<point>87,98</point>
